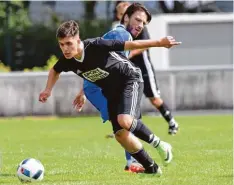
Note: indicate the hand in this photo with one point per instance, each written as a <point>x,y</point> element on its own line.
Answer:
<point>79,101</point>
<point>168,42</point>
<point>44,95</point>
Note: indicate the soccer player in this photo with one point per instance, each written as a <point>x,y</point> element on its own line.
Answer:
<point>121,83</point>
<point>122,32</point>
<point>93,92</point>
<point>143,61</point>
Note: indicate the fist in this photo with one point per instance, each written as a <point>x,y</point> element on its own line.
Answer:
<point>44,95</point>
<point>168,42</point>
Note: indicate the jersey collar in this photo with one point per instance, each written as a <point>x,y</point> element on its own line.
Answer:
<point>121,25</point>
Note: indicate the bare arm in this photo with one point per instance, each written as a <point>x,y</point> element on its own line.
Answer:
<point>167,42</point>
<point>52,79</point>
<point>141,44</point>
<point>136,52</point>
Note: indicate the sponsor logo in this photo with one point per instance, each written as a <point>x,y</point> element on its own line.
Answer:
<point>95,74</point>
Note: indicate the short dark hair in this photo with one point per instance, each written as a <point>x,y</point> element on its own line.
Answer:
<point>136,7</point>
<point>68,29</point>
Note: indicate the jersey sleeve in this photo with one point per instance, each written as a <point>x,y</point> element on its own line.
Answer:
<point>59,66</point>
<point>118,35</point>
<point>109,45</point>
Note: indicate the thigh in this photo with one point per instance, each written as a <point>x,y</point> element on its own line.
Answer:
<point>112,104</point>
<point>130,99</point>
<point>127,102</point>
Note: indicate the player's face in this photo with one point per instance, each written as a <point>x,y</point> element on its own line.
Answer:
<point>69,46</point>
<point>136,23</point>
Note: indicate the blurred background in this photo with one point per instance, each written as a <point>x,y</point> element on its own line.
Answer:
<point>196,76</point>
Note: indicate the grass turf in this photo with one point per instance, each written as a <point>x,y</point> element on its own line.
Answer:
<point>75,151</point>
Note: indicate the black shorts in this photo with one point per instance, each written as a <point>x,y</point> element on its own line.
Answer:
<point>126,101</point>
<point>151,89</point>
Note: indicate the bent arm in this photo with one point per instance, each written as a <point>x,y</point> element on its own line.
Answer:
<point>136,52</point>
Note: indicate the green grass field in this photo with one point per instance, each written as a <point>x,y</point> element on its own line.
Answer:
<point>75,151</point>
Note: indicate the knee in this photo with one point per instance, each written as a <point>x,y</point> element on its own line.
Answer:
<point>125,121</point>
<point>156,101</point>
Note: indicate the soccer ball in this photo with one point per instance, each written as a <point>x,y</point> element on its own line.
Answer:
<point>30,170</point>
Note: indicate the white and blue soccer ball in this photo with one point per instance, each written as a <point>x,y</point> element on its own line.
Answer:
<point>30,170</point>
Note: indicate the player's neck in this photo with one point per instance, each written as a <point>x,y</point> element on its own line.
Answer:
<point>80,52</point>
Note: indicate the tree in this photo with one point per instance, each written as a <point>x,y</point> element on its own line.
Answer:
<point>14,18</point>
<point>89,9</point>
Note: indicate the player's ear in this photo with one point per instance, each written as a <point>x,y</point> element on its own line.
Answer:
<point>78,39</point>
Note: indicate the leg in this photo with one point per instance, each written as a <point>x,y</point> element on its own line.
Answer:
<point>152,92</point>
<point>129,108</point>
<point>129,142</point>
<point>128,159</point>
<point>135,148</point>
<point>158,103</point>
<point>132,164</point>
<point>141,131</point>
<point>95,96</point>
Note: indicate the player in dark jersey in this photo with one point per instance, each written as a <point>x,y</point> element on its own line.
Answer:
<point>143,61</point>
<point>120,81</point>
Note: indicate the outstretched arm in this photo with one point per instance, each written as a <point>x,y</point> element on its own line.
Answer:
<point>116,45</point>
<point>166,42</point>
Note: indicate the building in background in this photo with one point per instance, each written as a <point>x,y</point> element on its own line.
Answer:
<point>196,75</point>
<point>40,10</point>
